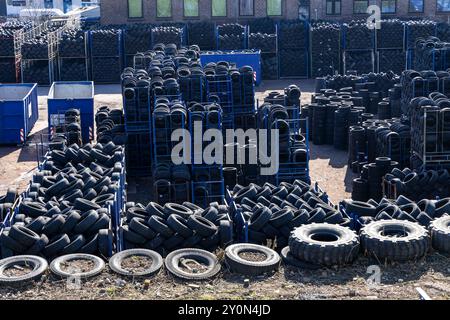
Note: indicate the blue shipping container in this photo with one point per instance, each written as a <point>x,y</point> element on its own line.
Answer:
<point>241,59</point>
<point>72,95</point>
<point>18,111</point>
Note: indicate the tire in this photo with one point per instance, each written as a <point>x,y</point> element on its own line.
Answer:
<point>159,225</point>
<point>360,208</point>
<point>174,258</point>
<point>179,225</point>
<point>139,226</point>
<point>324,244</point>
<point>115,262</point>
<point>55,265</point>
<point>74,245</point>
<point>38,246</point>
<point>56,246</point>
<point>54,225</point>
<point>86,221</point>
<point>252,268</point>
<point>23,235</point>
<point>440,234</point>
<point>290,260</point>
<point>132,237</point>
<point>412,246</point>
<point>203,226</point>
<point>39,265</point>
<point>260,218</point>
<point>11,244</point>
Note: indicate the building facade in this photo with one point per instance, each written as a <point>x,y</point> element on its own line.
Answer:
<point>154,11</point>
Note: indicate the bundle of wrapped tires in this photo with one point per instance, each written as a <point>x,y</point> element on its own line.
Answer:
<point>68,205</point>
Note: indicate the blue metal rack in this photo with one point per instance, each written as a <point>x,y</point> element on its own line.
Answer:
<point>208,185</point>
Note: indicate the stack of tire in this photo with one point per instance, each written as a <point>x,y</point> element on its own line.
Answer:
<point>106,55</point>
<point>443,31</point>
<point>232,36</point>
<point>430,124</point>
<point>67,208</point>
<point>202,34</point>
<point>358,47</point>
<point>272,212</point>
<point>137,38</point>
<point>7,203</point>
<point>110,126</point>
<point>168,35</point>
<point>325,48</point>
<point>172,183</point>
<point>430,54</point>
<point>7,62</point>
<point>293,48</point>
<point>72,127</point>
<point>369,184</point>
<point>427,184</point>
<point>174,226</point>
<point>72,44</point>
<point>390,43</point>
<point>263,36</point>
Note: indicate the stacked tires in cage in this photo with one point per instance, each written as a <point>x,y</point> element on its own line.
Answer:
<point>390,52</point>
<point>325,49</point>
<point>263,36</point>
<point>73,56</point>
<point>231,36</point>
<point>293,46</point>
<point>136,38</point>
<point>358,47</point>
<point>106,55</point>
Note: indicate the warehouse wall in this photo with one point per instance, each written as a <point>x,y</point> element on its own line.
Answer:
<point>115,11</point>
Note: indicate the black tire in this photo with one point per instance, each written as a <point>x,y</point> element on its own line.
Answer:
<point>409,240</point>
<point>140,227</point>
<point>324,244</point>
<point>226,233</point>
<point>54,225</point>
<point>179,225</point>
<point>132,237</point>
<point>440,234</point>
<point>260,218</point>
<point>87,220</point>
<point>174,259</point>
<point>71,221</point>
<point>85,205</point>
<point>23,235</point>
<point>252,268</point>
<point>38,264</point>
<point>362,209</point>
<point>55,265</point>
<point>179,209</point>
<point>10,243</point>
<point>281,218</point>
<point>290,260</point>
<point>159,225</point>
<point>38,246</point>
<point>115,262</point>
<point>56,246</point>
<point>202,226</point>
<point>75,245</point>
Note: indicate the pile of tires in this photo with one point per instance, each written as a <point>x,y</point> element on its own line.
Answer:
<point>391,60</point>
<point>202,34</point>
<point>369,184</point>
<point>325,46</point>
<point>168,35</point>
<point>72,44</point>
<point>175,226</point>
<point>72,127</point>
<point>427,184</point>
<point>36,71</point>
<point>293,48</point>
<point>67,208</point>
<point>359,61</point>
<point>430,54</point>
<point>272,212</point>
<point>262,25</point>
<point>7,37</point>
<point>73,69</point>
<point>110,126</point>
<point>7,202</point>
<point>402,208</point>
<point>172,183</point>
<point>232,36</point>
<point>35,48</point>
<point>443,31</point>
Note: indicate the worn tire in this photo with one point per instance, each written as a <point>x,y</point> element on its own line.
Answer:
<point>115,262</point>
<point>55,265</point>
<point>383,247</point>
<point>324,244</point>
<point>290,260</point>
<point>440,234</point>
<point>252,268</point>
<point>39,267</point>
<point>173,259</point>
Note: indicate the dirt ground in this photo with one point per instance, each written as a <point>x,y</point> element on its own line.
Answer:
<point>327,166</point>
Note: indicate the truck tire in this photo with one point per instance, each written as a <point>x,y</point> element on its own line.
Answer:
<point>440,234</point>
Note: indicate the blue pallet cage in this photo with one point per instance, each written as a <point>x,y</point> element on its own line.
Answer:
<point>410,41</point>
<point>238,58</point>
<point>193,88</point>
<point>163,125</point>
<point>219,89</point>
<point>205,188</point>
<point>138,153</point>
<point>67,95</point>
<point>18,112</point>
<point>137,106</point>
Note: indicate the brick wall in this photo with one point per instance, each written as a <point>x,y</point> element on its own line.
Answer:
<point>115,11</point>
